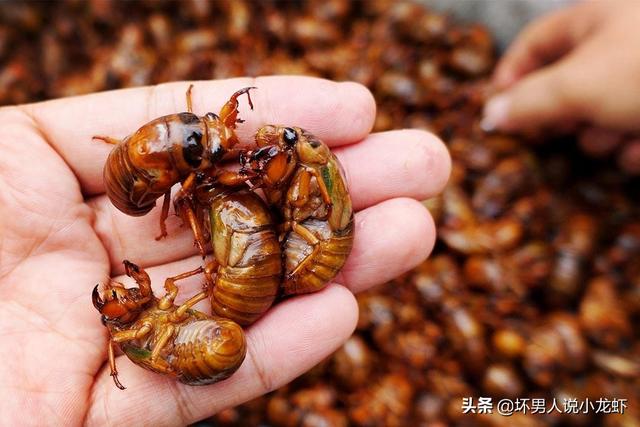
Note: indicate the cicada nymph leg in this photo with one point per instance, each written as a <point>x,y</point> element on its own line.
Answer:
<point>165,337</point>
<point>107,139</point>
<point>112,366</point>
<point>231,179</point>
<point>189,99</point>
<point>324,192</point>
<point>138,274</point>
<point>304,187</point>
<point>311,239</point>
<point>229,117</point>
<point>179,314</point>
<point>164,215</point>
<point>209,270</point>
<point>185,207</point>
<point>172,290</point>
<point>122,336</point>
<point>229,111</point>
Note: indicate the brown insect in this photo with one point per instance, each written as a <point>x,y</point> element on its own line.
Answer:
<point>247,258</point>
<point>304,180</point>
<point>170,149</point>
<point>158,335</point>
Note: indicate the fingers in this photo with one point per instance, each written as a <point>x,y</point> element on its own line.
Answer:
<point>389,239</point>
<point>576,88</point>
<point>384,166</point>
<point>277,353</point>
<point>542,42</point>
<point>541,99</point>
<point>533,96</point>
<point>572,90</point>
<point>405,163</point>
<point>338,113</point>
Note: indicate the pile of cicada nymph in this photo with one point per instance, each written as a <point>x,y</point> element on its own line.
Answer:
<point>295,242</point>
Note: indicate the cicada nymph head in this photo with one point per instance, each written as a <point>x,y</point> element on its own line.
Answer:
<point>303,144</point>
<point>121,305</point>
<point>275,159</point>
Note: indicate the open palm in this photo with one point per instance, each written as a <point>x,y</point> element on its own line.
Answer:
<point>59,236</point>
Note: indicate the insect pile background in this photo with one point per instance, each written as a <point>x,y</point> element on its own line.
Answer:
<point>534,286</point>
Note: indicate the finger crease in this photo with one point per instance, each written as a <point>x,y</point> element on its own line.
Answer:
<point>266,381</point>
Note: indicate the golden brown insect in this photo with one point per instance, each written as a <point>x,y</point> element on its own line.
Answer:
<point>247,255</point>
<point>463,231</point>
<point>574,246</point>
<point>170,149</point>
<point>247,258</point>
<point>303,179</point>
<point>175,340</point>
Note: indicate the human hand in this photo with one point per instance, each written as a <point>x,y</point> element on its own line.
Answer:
<point>577,65</point>
<point>60,236</point>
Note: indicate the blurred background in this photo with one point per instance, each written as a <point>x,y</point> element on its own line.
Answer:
<point>534,285</point>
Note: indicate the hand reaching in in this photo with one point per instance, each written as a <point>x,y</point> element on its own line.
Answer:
<point>579,65</point>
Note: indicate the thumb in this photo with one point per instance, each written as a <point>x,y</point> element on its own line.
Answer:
<point>544,98</point>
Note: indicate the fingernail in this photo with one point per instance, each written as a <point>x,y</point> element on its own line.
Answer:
<point>496,113</point>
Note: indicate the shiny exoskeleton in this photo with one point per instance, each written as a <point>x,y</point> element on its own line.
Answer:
<point>247,258</point>
<point>156,334</point>
<point>170,149</point>
<point>304,181</point>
